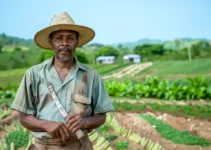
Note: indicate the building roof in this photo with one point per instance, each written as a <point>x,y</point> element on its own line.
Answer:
<point>131,56</point>
<point>105,57</point>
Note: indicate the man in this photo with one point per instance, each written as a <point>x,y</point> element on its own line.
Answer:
<point>79,89</point>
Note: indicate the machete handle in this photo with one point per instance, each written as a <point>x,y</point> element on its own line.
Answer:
<point>80,134</point>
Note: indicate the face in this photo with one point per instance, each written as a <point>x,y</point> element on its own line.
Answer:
<point>64,44</point>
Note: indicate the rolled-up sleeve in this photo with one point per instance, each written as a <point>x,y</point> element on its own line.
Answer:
<point>101,100</point>
<point>24,100</point>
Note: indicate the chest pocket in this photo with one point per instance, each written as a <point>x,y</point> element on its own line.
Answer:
<point>81,100</point>
<point>82,105</point>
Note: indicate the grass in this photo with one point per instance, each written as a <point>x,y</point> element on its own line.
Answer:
<point>8,48</point>
<point>13,72</point>
<point>11,78</point>
<point>105,69</point>
<point>194,110</point>
<point>178,69</point>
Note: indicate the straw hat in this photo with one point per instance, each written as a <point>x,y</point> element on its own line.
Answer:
<point>63,22</point>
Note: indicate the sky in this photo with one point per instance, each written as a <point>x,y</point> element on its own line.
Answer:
<point>114,21</point>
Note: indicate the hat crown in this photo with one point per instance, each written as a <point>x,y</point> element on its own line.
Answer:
<point>62,18</point>
<point>63,22</point>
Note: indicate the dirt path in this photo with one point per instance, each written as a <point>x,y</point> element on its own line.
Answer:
<point>130,70</point>
<point>142,127</point>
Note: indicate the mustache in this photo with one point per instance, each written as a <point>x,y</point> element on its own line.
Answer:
<point>64,50</point>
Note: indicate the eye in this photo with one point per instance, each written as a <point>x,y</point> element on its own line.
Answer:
<point>59,38</point>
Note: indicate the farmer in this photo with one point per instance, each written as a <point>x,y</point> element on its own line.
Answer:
<point>79,89</point>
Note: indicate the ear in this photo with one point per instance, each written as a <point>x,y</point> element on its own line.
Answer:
<point>76,43</point>
<point>50,41</point>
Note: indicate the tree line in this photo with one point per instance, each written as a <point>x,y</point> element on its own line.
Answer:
<point>174,50</point>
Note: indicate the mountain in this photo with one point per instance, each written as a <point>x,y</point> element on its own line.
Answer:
<point>15,41</point>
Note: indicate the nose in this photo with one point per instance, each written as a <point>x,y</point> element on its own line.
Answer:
<point>64,41</point>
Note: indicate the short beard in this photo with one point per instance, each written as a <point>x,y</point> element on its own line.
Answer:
<point>64,58</point>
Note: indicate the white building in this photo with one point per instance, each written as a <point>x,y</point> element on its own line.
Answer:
<point>105,59</point>
<point>132,58</point>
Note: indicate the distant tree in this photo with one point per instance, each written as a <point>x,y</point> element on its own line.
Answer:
<point>177,43</point>
<point>96,45</point>
<point>149,51</point>
<point>2,40</point>
<point>45,55</point>
<point>17,49</point>
<point>8,40</point>
<point>120,47</point>
<point>200,48</point>
<point>107,51</point>
<point>81,56</point>
<point>1,46</point>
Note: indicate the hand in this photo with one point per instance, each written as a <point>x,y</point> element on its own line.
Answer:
<point>58,130</point>
<point>74,122</point>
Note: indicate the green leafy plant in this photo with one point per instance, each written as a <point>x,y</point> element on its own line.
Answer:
<point>19,138</point>
<point>110,137</point>
<point>174,135</point>
<point>121,145</point>
<point>196,88</point>
<point>104,128</point>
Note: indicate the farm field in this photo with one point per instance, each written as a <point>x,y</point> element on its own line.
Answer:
<point>171,70</point>
<point>180,116</point>
<point>168,112</point>
<point>132,128</point>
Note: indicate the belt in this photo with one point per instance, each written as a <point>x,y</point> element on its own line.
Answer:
<point>57,142</point>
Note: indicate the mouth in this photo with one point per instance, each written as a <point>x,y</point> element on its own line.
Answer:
<point>64,52</point>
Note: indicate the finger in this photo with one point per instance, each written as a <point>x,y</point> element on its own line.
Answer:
<point>58,136</point>
<point>66,131</point>
<point>76,125</point>
<point>70,117</point>
<point>71,121</point>
<point>53,135</point>
<point>62,134</point>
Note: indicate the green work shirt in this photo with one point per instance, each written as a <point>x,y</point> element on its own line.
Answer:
<point>81,92</point>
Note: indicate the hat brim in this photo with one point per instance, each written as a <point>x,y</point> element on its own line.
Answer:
<point>41,38</point>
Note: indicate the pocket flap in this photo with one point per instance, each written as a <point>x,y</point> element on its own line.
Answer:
<point>81,99</point>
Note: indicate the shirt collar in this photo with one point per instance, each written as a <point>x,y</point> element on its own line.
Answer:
<point>77,65</point>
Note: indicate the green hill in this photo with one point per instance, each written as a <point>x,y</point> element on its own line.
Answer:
<point>176,69</point>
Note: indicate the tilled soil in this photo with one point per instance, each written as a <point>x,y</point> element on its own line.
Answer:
<point>138,125</point>
<point>197,126</point>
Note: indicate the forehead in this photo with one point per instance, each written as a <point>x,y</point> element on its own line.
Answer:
<point>64,32</point>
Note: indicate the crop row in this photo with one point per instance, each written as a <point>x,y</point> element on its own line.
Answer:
<point>187,89</point>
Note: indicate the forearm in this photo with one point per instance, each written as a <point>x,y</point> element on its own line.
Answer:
<point>94,121</point>
<point>32,123</point>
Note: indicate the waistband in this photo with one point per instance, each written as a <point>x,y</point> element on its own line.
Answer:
<point>57,142</point>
